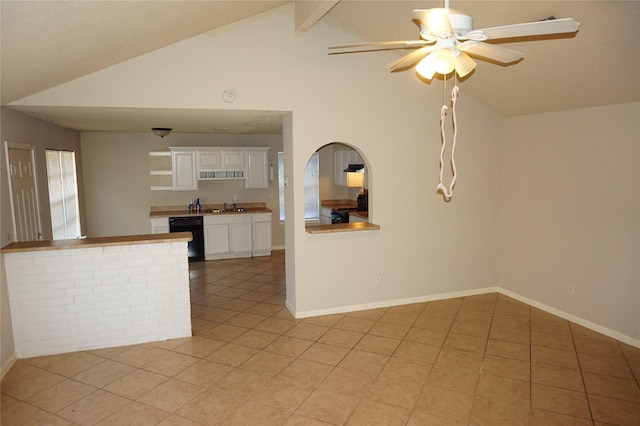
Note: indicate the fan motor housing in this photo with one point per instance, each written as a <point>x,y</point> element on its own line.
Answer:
<point>461,24</point>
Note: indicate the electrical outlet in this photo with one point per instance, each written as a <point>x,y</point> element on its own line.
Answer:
<point>235,197</point>
<point>378,280</point>
<point>570,290</point>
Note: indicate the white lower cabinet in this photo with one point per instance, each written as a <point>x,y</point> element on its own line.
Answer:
<point>240,240</point>
<point>230,235</point>
<point>325,216</point>
<point>261,234</point>
<point>160,225</point>
<point>227,236</point>
<point>216,240</point>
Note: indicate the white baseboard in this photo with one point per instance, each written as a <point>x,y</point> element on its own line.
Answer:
<point>397,302</point>
<point>392,302</point>
<point>290,308</point>
<point>570,317</point>
<point>7,365</point>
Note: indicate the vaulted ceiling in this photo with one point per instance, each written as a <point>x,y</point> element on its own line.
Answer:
<point>47,43</point>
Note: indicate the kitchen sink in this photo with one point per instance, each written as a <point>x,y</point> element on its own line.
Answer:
<point>227,210</point>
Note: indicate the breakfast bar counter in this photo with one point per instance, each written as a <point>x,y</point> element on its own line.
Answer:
<point>92,293</point>
<point>95,242</point>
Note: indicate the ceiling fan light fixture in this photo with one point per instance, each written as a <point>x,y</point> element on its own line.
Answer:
<point>427,67</point>
<point>445,61</point>
<point>161,131</point>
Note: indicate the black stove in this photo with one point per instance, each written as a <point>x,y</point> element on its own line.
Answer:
<point>341,215</point>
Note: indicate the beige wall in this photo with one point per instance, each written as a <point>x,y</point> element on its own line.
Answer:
<point>118,195</point>
<point>571,213</point>
<point>17,127</point>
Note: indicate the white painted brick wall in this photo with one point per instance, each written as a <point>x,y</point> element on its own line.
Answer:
<point>90,298</point>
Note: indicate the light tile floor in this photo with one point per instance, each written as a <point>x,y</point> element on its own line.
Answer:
<point>481,360</point>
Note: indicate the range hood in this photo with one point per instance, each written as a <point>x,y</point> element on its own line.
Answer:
<point>354,168</point>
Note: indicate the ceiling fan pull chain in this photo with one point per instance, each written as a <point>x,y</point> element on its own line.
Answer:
<point>443,114</point>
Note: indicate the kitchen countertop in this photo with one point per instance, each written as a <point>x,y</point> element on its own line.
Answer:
<point>96,242</point>
<point>341,227</point>
<point>172,211</point>
<point>338,204</point>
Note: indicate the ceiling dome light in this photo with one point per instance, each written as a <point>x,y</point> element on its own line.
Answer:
<point>161,131</point>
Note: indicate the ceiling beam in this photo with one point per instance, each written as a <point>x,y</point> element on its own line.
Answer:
<point>308,12</point>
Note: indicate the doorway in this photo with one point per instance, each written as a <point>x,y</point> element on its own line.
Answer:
<point>25,207</point>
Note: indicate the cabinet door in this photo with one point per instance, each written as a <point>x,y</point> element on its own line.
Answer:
<point>184,171</point>
<point>339,160</point>
<point>261,236</point>
<point>232,160</point>
<point>353,157</point>
<point>209,160</point>
<point>240,237</point>
<point>216,239</point>
<point>257,170</point>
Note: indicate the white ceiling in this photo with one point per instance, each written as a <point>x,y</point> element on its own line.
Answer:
<point>46,43</point>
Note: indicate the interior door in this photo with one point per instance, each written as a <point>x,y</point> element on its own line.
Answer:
<point>24,193</point>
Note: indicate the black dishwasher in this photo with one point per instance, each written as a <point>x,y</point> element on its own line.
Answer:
<point>191,224</point>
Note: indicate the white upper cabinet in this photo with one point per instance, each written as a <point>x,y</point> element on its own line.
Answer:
<point>209,160</point>
<point>184,170</point>
<point>220,163</point>
<point>190,164</point>
<point>341,160</point>
<point>257,168</point>
<point>232,160</point>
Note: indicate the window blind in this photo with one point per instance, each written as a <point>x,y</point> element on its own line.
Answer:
<point>63,194</point>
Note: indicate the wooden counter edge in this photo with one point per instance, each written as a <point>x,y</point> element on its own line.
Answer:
<point>96,242</point>
<point>341,227</point>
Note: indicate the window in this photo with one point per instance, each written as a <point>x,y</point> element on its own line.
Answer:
<point>281,184</point>
<point>63,194</point>
<point>311,187</point>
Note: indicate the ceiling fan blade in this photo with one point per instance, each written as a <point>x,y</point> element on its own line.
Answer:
<point>551,26</point>
<point>402,44</point>
<point>436,20</point>
<point>464,64</point>
<point>412,58</point>
<point>489,51</point>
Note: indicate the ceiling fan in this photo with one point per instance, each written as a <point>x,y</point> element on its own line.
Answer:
<point>448,42</point>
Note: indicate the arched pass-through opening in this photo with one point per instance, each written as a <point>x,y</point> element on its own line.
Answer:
<point>338,177</point>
